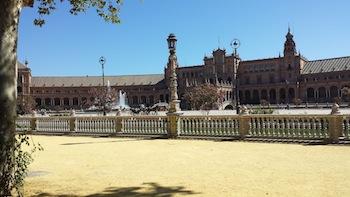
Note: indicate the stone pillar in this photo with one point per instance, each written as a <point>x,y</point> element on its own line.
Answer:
<point>118,124</point>
<point>33,122</point>
<point>335,127</point>
<point>243,120</point>
<point>335,124</point>
<point>72,121</point>
<point>173,124</point>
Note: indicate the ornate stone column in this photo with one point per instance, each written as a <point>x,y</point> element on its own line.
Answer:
<point>174,103</point>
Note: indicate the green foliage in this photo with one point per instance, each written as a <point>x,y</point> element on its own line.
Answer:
<point>346,93</point>
<point>108,10</point>
<point>22,158</point>
<point>205,96</point>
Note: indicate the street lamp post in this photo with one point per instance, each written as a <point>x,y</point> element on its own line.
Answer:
<point>172,64</point>
<point>235,45</point>
<point>287,99</point>
<point>102,61</point>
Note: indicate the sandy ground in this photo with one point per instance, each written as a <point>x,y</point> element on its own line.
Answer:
<point>87,166</point>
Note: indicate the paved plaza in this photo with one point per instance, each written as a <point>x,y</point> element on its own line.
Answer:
<point>90,166</point>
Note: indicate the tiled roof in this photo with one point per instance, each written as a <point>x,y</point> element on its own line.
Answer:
<point>21,66</point>
<point>125,80</point>
<point>327,65</point>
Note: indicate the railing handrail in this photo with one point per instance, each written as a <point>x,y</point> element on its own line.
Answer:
<point>310,126</point>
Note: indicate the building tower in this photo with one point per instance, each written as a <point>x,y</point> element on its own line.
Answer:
<point>289,45</point>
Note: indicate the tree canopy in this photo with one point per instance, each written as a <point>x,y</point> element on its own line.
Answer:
<point>9,20</point>
<point>205,96</point>
<point>108,10</point>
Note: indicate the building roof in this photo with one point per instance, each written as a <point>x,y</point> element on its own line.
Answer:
<point>327,65</point>
<point>21,66</point>
<point>125,80</point>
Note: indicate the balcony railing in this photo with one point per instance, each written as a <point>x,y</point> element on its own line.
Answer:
<point>330,128</point>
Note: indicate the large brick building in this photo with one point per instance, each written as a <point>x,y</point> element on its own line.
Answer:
<point>277,80</point>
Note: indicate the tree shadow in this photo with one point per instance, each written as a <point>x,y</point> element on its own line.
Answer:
<point>113,141</point>
<point>149,190</point>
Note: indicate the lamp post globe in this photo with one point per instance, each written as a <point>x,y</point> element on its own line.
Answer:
<point>172,42</point>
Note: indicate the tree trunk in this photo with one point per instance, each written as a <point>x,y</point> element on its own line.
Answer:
<point>9,16</point>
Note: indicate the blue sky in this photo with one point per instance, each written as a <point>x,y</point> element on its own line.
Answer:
<point>71,45</point>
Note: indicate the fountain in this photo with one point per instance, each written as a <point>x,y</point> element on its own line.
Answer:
<point>121,103</point>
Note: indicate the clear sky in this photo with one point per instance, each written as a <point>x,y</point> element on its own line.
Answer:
<point>71,45</point>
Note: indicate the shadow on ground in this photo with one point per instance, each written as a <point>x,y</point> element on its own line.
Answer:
<point>149,190</point>
<point>120,140</point>
<point>78,143</point>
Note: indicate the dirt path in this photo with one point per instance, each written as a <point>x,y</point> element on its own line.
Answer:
<point>86,166</point>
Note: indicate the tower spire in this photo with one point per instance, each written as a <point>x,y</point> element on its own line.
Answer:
<point>289,44</point>
<point>288,28</point>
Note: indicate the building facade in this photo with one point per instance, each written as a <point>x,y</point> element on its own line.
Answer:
<point>284,79</point>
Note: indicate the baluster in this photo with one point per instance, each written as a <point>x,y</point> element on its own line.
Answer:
<point>214,124</point>
<point>225,126</point>
<point>145,125</point>
<point>189,126</point>
<point>230,126</point>
<point>318,128</point>
<point>324,129</point>
<point>279,128</point>
<point>206,125</point>
<point>264,125</point>
<point>199,126</point>
<point>194,125</point>
<point>217,127</point>
<point>292,127</point>
<point>258,128</point>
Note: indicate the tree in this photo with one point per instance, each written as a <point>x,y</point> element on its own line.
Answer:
<point>9,19</point>
<point>205,96</point>
<point>346,93</point>
<point>103,98</point>
<point>25,105</point>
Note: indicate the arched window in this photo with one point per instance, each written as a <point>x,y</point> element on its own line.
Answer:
<point>47,101</point>
<point>57,102</point>
<point>38,101</point>
<point>322,93</point>
<point>135,100</point>
<point>282,95</point>
<point>19,89</point>
<point>272,95</point>
<point>264,94</point>
<point>310,94</point>
<point>151,99</point>
<point>247,96</point>
<point>66,101</point>
<point>291,94</point>
<point>256,98</point>
<point>75,101</point>
<point>334,92</point>
<point>143,100</point>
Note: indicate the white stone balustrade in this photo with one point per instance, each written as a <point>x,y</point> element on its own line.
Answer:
<point>327,127</point>
<point>52,124</point>
<point>144,125</point>
<point>291,127</point>
<point>95,125</point>
<point>346,127</point>
<point>23,124</point>
<point>216,126</point>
